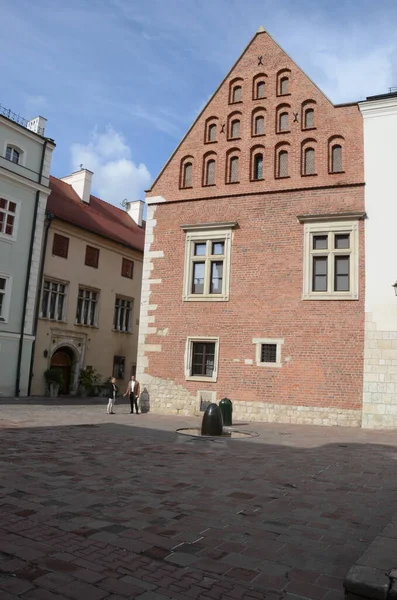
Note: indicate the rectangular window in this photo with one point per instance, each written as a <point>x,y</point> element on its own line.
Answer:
<point>5,293</point>
<point>122,315</point>
<point>202,359</point>
<point>119,367</point>
<point>331,261</point>
<point>8,212</point>
<point>91,256</point>
<point>127,268</point>
<point>53,300</point>
<point>60,245</point>
<point>87,307</point>
<point>268,351</point>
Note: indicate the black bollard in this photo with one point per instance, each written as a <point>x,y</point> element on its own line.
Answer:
<point>212,423</point>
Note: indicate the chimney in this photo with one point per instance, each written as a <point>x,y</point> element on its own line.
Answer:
<point>81,183</point>
<point>37,125</point>
<point>135,210</point>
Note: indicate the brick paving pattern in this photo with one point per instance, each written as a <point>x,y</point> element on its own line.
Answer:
<point>99,509</point>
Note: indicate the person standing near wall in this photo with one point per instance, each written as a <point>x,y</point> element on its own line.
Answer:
<point>133,391</point>
<point>113,389</point>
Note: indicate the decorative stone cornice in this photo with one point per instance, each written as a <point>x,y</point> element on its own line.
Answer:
<point>346,216</point>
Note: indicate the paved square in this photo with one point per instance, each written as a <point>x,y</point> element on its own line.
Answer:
<point>97,507</point>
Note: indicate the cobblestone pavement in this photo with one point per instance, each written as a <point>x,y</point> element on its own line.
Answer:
<point>96,507</point>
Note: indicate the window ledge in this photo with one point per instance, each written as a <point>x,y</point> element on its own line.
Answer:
<point>120,331</point>
<point>271,365</point>
<point>336,172</point>
<point>233,139</point>
<point>233,103</point>
<point>283,177</point>
<point>186,187</point>
<point>309,128</point>
<point>206,298</point>
<point>281,131</point>
<point>212,379</point>
<point>284,95</point>
<point>262,98</point>
<point>83,325</point>
<point>211,142</point>
<point>53,320</point>
<point>252,180</point>
<point>330,296</point>
<point>7,238</point>
<point>231,182</point>
<point>209,185</point>
<point>258,134</point>
<point>309,174</point>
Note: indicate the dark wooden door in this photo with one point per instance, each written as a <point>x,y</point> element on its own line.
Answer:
<point>62,360</point>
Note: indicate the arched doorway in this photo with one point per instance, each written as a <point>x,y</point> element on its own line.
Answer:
<point>63,359</point>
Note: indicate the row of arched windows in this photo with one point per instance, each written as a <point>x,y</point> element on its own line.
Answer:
<point>259,86</point>
<point>281,163</point>
<point>258,121</point>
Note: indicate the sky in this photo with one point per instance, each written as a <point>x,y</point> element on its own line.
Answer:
<point>121,81</point>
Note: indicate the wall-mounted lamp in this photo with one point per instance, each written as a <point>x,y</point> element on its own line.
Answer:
<point>45,353</point>
<point>395,287</point>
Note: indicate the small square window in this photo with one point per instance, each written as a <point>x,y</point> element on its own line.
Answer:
<point>268,351</point>
<point>127,268</point>
<point>92,257</point>
<point>60,245</point>
<point>201,359</point>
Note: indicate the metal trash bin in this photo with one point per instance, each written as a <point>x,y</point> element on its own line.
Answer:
<point>226,407</point>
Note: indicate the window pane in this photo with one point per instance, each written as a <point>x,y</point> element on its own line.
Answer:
<point>235,132</point>
<point>198,278</point>
<point>320,273</point>
<point>12,207</point>
<point>283,164</point>
<point>59,315</point>
<point>309,167</point>
<point>342,273</point>
<point>216,277</point>
<point>8,152</point>
<point>283,121</point>
<point>203,358</point>
<point>210,177</point>
<point>309,118</point>
<point>258,166</point>
<point>342,241</point>
<point>320,242</point>
<point>269,353</point>
<point>44,303</point>
<point>200,249</point>
<point>237,94</point>
<point>336,166</point>
<point>234,169</point>
<point>284,85</point>
<point>259,125</point>
<point>212,133</point>
<point>187,175</point>
<point>15,156</point>
<point>260,89</point>
<point>218,247</point>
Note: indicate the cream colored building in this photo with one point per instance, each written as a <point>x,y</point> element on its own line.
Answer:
<point>89,300</point>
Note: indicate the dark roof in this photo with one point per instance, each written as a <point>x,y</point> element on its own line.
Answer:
<point>98,216</point>
<point>382,96</point>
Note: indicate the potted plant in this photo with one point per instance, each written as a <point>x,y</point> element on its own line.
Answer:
<point>53,378</point>
<point>89,381</point>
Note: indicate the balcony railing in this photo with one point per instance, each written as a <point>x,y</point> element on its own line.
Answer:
<point>7,112</point>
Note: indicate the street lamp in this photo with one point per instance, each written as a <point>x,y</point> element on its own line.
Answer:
<point>395,287</point>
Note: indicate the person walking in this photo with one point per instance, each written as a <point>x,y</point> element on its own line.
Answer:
<point>113,389</point>
<point>133,391</point>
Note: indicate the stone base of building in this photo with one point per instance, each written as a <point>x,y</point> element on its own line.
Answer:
<point>163,396</point>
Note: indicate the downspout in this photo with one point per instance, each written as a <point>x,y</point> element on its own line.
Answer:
<point>48,221</point>
<point>28,272</point>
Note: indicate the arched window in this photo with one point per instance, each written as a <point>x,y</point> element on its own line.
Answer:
<point>260,89</point>
<point>259,125</point>
<point>284,85</point>
<point>258,166</point>
<point>233,169</point>
<point>211,133</point>
<point>336,159</point>
<point>282,164</point>
<point>210,172</point>
<point>283,121</point>
<point>13,154</point>
<point>309,118</point>
<point>237,94</point>
<point>187,175</point>
<point>308,162</point>
<point>235,128</point>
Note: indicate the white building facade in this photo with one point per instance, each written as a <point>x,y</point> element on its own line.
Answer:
<point>380,354</point>
<point>25,161</point>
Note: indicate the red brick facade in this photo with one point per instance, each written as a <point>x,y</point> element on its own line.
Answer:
<point>322,353</point>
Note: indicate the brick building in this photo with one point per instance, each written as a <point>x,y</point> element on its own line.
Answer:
<point>253,271</point>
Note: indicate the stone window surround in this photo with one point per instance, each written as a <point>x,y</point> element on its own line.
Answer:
<point>258,343</point>
<point>188,358</point>
<point>7,297</point>
<point>325,224</point>
<point>18,148</point>
<point>65,303</point>
<point>200,233</point>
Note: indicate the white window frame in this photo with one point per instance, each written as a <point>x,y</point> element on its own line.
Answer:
<point>189,357</point>
<point>258,351</point>
<point>123,299</point>
<point>3,235</point>
<point>7,298</point>
<point>208,233</point>
<point>64,308</point>
<point>330,228</point>
<point>22,153</point>
<point>83,288</point>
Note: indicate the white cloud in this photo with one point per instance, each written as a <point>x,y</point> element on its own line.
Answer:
<point>116,176</point>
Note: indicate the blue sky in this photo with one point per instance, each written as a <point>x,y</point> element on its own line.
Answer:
<point>120,81</point>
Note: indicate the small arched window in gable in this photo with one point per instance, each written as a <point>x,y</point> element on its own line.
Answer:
<point>233,169</point>
<point>282,166</point>
<point>309,118</point>
<point>237,94</point>
<point>283,121</point>
<point>13,154</point>
<point>336,159</point>
<point>259,125</point>
<point>212,132</point>
<point>235,128</point>
<point>258,166</point>
<point>260,89</point>
<point>284,85</point>
<point>309,167</point>
<point>210,172</point>
<point>187,175</point>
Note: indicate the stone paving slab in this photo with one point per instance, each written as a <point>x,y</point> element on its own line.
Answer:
<point>98,507</point>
